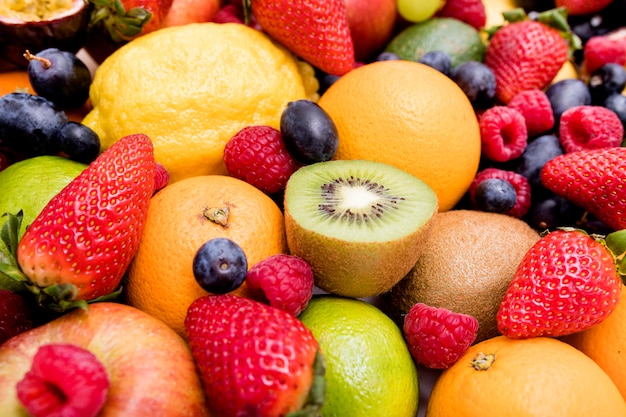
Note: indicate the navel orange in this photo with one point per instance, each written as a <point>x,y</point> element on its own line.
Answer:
<point>411,116</point>
<point>606,344</point>
<point>183,216</point>
<point>534,377</point>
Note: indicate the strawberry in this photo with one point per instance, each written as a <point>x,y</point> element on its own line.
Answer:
<point>315,30</point>
<point>581,7</point>
<point>525,54</point>
<point>254,359</point>
<point>81,243</point>
<point>592,179</point>
<point>567,282</point>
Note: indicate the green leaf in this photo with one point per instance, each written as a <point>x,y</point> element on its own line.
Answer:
<point>616,242</point>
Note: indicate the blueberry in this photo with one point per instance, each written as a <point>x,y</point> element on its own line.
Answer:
<point>550,213</point>
<point>220,266</point>
<point>477,81</point>
<point>438,60</point>
<point>606,80</point>
<point>59,76</point>
<point>78,141</point>
<point>537,152</point>
<point>617,103</point>
<point>387,56</point>
<point>29,123</point>
<point>565,94</point>
<point>309,133</point>
<point>495,195</point>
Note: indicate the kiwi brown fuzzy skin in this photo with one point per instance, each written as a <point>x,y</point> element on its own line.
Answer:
<point>466,266</point>
<point>356,270</point>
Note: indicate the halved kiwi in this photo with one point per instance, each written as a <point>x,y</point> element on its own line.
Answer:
<point>360,224</point>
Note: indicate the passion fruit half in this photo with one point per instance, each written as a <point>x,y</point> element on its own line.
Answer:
<point>39,25</point>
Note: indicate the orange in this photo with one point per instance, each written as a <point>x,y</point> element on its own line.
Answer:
<point>17,81</point>
<point>606,344</point>
<point>535,377</point>
<point>160,277</point>
<point>411,116</point>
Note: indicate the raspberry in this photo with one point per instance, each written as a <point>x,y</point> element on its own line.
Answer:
<point>535,106</point>
<point>471,12</point>
<point>15,315</point>
<point>518,181</point>
<point>503,133</point>
<point>286,282</point>
<point>64,380</point>
<point>257,155</point>
<point>229,13</point>
<point>602,49</point>
<point>589,127</point>
<point>161,177</point>
<point>438,337</point>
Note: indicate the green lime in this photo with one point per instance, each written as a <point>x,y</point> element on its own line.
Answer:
<point>458,39</point>
<point>369,370</point>
<point>29,185</point>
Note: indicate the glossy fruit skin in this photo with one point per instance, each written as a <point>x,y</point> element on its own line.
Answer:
<point>253,359</point>
<point>438,60</point>
<point>617,104</point>
<point>122,181</point>
<point>495,195</point>
<point>606,80</point>
<point>537,152</point>
<point>567,93</point>
<point>478,82</point>
<point>28,124</point>
<point>63,78</point>
<point>521,188</point>
<point>309,133</point>
<point>220,266</point>
<point>567,282</point>
<point>79,142</point>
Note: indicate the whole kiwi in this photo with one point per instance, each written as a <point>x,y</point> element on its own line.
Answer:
<point>468,260</point>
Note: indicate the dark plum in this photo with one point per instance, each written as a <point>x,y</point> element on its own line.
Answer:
<point>478,82</point>
<point>495,195</point>
<point>387,56</point>
<point>565,94</point>
<point>78,141</point>
<point>220,266</point>
<point>29,124</point>
<point>606,80</point>
<point>537,152</point>
<point>59,76</point>
<point>310,135</point>
<point>438,60</point>
<point>617,103</point>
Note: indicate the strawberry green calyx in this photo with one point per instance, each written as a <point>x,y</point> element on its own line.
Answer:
<point>121,24</point>
<point>317,394</point>
<point>9,268</point>
<point>616,242</point>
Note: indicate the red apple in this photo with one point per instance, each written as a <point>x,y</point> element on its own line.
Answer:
<point>149,366</point>
<point>191,11</point>
<point>371,24</point>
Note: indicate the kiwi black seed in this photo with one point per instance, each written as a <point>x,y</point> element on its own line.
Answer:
<point>360,224</point>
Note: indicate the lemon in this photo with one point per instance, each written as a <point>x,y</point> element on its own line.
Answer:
<point>29,185</point>
<point>369,370</point>
<point>190,88</point>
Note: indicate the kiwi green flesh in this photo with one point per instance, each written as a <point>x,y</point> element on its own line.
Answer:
<point>350,258</point>
<point>359,201</point>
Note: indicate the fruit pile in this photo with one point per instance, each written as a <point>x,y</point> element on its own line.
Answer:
<point>331,207</point>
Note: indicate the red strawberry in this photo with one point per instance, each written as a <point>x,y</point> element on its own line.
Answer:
<point>254,359</point>
<point>438,337</point>
<point>64,380</point>
<point>567,282</point>
<point>315,30</point>
<point>471,12</point>
<point>81,243</point>
<point>15,315</point>
<point>127,19</point>
<point>592,179</point>
<point>580,7</point>
<point>525,54</point>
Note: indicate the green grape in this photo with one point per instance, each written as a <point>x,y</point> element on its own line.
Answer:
<point>418,10</point>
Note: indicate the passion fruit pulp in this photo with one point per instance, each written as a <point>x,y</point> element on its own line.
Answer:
<point>37,26</point>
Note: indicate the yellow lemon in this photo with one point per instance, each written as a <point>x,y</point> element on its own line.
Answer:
<point>190,88</point>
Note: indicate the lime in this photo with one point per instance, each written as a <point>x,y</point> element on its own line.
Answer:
<point>29,185</point>
<point>458,39</point>
<point>369,370</point>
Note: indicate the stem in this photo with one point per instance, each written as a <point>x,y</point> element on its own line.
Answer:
<point>45,63</point>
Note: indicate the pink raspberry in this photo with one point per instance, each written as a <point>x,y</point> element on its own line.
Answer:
<point>161,177</point>
<point>438,337</point>
<point>471,12</point>
<point>503,133</point>
<point>603,49</point>
<point>64,380</point>
<point>257,155</point>
<point>285,281</point>
<point>15,315</point>
<point>589,127</point>
<point>535,106</point>
<point>518,181</point>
